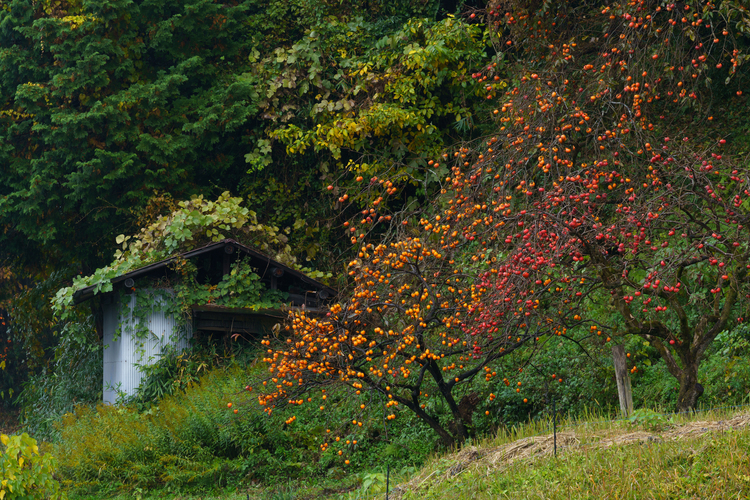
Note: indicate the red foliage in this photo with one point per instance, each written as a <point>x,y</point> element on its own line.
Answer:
<point>605,205</point>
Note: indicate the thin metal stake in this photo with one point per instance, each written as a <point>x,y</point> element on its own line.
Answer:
<point>388,465</point>
<point>554,423</point>
<point>387,480</point>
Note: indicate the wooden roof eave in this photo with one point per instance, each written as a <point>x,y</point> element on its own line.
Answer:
<point>88,292</point>
<point>246,311</point>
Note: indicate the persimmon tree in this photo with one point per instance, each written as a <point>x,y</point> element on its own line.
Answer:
<point>609,180</point>
<point>409,329</point>
<point>607,187</point>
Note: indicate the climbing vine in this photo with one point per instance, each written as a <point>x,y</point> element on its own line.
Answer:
<point>240,288</point>
<point>194,223</point>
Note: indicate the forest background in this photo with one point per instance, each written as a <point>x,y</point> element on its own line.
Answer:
<point>348,130</point>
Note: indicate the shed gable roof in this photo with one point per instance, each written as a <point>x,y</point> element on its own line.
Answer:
<point>263,262</point>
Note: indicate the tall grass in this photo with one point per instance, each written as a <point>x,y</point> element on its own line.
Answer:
<point>192,441</point>
<point>189,439</point>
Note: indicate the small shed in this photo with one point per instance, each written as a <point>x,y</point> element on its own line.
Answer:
<point>132,340</point>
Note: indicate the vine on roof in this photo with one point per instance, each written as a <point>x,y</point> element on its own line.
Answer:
<point>195,223</point>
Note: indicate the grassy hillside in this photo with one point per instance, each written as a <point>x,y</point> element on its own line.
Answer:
<point>694,456</point>
<point>648,456</point>
<point>192,444</point>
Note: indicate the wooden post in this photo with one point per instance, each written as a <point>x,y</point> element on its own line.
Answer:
<point>623,380</point>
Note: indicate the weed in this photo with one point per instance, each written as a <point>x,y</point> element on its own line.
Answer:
<point>649,420</point>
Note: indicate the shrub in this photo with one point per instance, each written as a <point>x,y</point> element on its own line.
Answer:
<point>191,440</point>
<point>175,370</point>
<point>183,440</point>
<point>24,472</point>
<point>75,378</point>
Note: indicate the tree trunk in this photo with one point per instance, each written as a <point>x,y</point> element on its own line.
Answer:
<point>445,437</point>
<point>624,390</point>
<point>686,371</point>
<point>458,428</point>
<point>690,389</point>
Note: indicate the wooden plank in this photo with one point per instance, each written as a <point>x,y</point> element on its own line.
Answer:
<point>229,326</point>
<point>622,374</point>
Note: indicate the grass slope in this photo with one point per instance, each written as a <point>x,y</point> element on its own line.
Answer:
<point>703,457</point>
<point>687,456</point>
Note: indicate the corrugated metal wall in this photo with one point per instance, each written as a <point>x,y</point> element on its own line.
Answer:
<point>124,353</point>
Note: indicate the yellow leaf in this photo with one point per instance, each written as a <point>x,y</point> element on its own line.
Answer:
<point>4,439</point>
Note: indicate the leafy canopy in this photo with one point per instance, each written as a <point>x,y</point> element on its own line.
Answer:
<point>597,210</point>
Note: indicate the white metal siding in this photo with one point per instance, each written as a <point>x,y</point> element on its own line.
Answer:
<point>110,325</point>
<point>123,353</point>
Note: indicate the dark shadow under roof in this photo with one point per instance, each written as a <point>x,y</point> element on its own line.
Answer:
<point>85,294</point>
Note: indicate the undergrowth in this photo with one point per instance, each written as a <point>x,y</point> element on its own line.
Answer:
<point>192,441</point>
<point>74,379</point>
<point>189,441</point>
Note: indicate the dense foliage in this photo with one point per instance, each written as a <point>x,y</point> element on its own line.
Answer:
<point>26,474</point>
<point>583,217</point>
<point>73,378</point>
<point>516,185</point>
<point>192,440</point>
<point>106,103</point>
<point>112,111</point>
